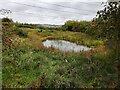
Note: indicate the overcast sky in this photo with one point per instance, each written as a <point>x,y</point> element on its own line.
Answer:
<point>51,11</point>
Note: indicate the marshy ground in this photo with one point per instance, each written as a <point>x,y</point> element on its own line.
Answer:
<point>30,64</point>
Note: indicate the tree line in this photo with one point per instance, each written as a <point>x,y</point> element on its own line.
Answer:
<point>105,25</point>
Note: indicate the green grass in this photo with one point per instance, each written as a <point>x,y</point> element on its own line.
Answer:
<point>76,37</point>
<point>29,66</point>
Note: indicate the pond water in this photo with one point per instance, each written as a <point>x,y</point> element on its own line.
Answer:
<point>65,46</point>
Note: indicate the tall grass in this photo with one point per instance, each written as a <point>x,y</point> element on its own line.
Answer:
<point>32,65</point>
<point>76,37</point>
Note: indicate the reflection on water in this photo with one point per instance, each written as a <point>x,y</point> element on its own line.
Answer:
<point>65,46</point>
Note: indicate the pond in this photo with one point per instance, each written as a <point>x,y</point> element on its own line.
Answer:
<point>65,46</point>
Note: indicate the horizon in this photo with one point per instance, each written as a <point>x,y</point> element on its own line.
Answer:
<point>43,23</point>
<point>51,11</point>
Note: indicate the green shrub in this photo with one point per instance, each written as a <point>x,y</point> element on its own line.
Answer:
<point>40,30</point>
<point>22,33</point>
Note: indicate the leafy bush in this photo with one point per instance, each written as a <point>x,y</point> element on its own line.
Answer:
<point>6,20</point>
<point>77,26</point>
<point>22,33</point>
<point>40,30</point>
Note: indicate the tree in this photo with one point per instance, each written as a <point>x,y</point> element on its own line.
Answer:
<point>7,31</point>
<point>6,20</point>
<point>109,20</point>
<point>68,26</point>
<point>76,26</point>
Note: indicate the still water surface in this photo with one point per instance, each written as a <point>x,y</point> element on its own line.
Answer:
<point>65,46</point>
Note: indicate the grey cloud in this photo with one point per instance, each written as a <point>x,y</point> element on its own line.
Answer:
<point>39,15</point>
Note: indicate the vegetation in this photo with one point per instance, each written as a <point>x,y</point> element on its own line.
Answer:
<point>88,27</point>
<point>45,68</point>
<point>109,20</point>
<point>27,63</point>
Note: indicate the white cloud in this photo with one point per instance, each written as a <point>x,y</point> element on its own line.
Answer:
<point>73,0</point>
<point>29,14</point>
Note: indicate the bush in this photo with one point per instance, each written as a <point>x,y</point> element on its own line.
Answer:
<point>76,26</point>
<point>40,30</point>
<point>22,33</point>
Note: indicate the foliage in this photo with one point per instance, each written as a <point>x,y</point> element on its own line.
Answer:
<point>22,33</point>
<point>7,31</point>
<point>105,25</point>
<point>76,26</point>
<point>6,20</point>
<point>32,65</point>
<point>109,21</point>
<point>29,66</point>
<point>44,68</point>
<point>87,27</point>
<point>69,25</point>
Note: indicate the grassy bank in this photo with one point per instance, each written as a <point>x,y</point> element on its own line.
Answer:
<point>37,35</point>
<point>44,68</point>
<point>29,64</point>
